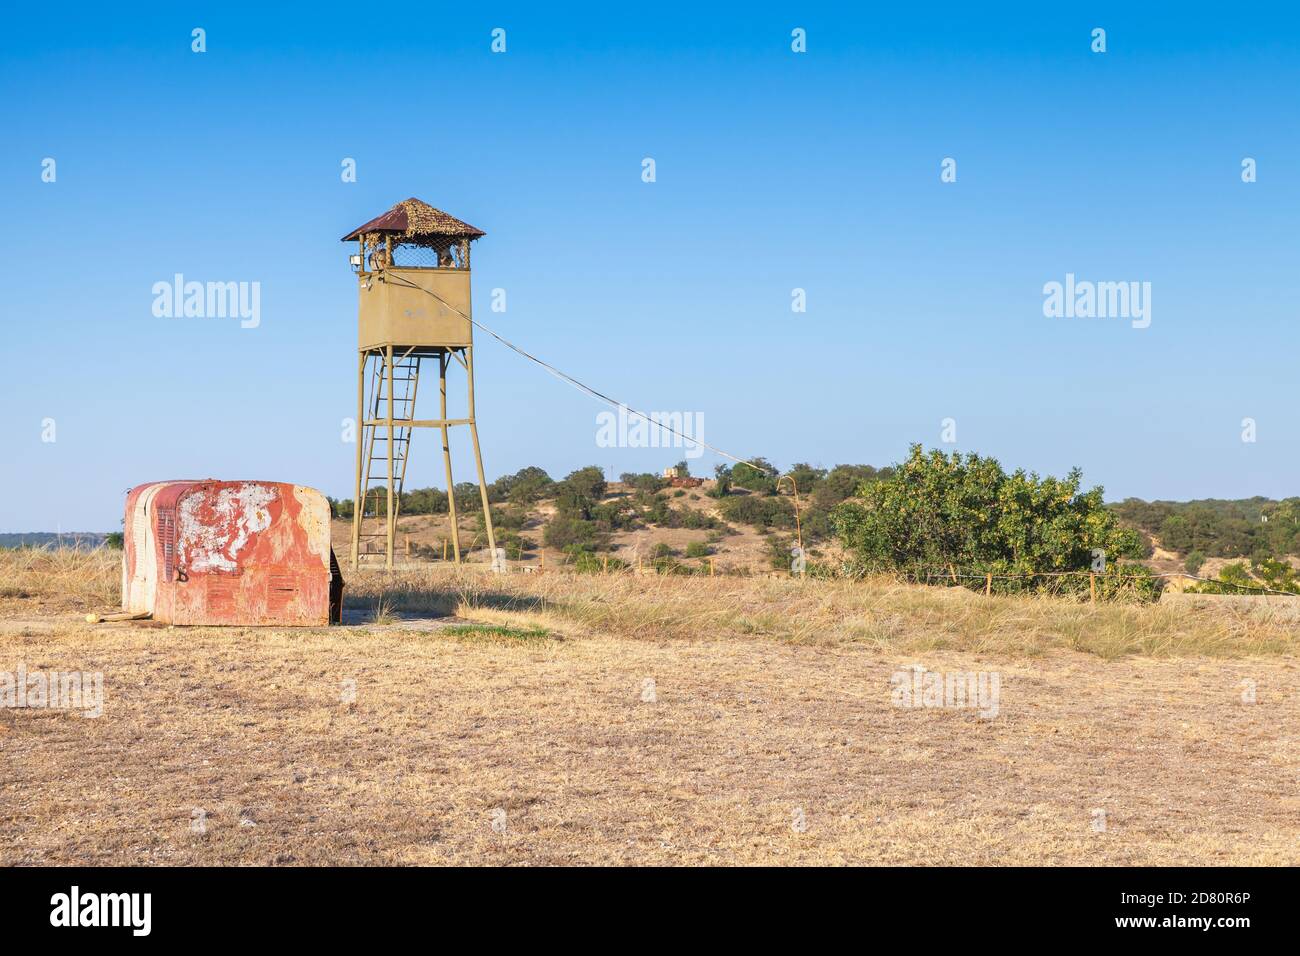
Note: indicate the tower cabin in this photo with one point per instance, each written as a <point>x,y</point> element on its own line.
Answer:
<point>413,267</point>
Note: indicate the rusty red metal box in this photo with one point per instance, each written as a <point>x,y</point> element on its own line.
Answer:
<point>230,552</point>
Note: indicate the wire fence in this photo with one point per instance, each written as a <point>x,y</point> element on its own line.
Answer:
<point>1095,584</point>
<point>1095,576</point>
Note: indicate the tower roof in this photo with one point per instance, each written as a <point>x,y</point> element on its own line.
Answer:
<point>411,217</point>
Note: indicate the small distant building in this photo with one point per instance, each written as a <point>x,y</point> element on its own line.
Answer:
<point>230,552</point>
<point>677,480</point>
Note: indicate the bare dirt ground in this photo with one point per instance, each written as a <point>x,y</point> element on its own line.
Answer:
<point>564,719</point>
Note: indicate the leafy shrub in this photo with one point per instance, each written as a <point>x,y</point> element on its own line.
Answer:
<point>586,482</point>
<point>515,545</point>
<point>614,516</point>
<point>522,488</point>
<point>937,511</point>
<point>565,531</point>
<point>671,565</point>
<point>722,482</point>
<point>1236,578</point>
<point>589,563</point>
<point>759,512</point>
<point>778,552</point>
<point>761,478</point>
<point>468,498</point>
<point>644,482</point>
<point>425,501</point>
<point>840,483</point>
<point>504,519</point>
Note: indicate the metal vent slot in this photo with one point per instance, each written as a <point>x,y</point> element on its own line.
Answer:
<point>167,538</point>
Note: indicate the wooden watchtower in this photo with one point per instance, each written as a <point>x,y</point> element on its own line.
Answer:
<point>412,266</point>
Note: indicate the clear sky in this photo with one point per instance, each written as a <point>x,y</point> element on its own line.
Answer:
<point>775,170</point>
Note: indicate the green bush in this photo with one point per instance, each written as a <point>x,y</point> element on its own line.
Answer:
<point>839,484</point>
<point>644,482</point>
<point>722,482</point>
<point>586,483</point>
<point>778,552</point>
<point>424,501</point>
<point>589,563</point>
<point>522,488</point>
<point>515,545</point>
<point>761,478</point>
<point>615,515</point>
<point>503,519</point>
<point>759,512</point>
<point>564,531</point>
<point>672,566</point>
<point>1236,578</point>
<point>698,549</point>
<point>936,512</point>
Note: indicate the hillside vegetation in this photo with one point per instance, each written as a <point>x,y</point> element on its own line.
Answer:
<point>934,515</point>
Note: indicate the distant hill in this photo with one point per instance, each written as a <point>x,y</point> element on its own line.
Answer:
<point>41,539</point>
<point>1218,528</point>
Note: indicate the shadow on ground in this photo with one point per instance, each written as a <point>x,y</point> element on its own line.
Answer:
<point>428,603</point>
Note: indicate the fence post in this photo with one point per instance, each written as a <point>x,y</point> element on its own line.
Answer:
<point>988,584</point>
<point>444,549</point>
<point>710,565</point>
<point>1092,586</point>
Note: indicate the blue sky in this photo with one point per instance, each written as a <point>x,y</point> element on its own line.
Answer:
<point>774,171</point>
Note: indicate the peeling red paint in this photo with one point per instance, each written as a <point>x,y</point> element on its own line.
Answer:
<point>229,552</point>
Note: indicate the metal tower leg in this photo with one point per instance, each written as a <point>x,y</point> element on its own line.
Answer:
<point>359,432</point>
<point>478,454</point>
<point>391,516</point>
<point>446,455</point>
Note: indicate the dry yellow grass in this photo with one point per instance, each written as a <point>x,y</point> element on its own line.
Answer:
<point>650,720</point>
<point>881,614</point>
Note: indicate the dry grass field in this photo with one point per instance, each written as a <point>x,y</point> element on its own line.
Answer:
<point>466,718</point>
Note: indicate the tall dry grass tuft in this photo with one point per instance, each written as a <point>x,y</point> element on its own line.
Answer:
<point>61,579</point>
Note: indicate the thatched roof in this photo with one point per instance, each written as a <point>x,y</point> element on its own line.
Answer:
<point>416,219</point>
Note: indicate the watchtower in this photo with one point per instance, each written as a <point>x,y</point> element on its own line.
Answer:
<point>412,266</point>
